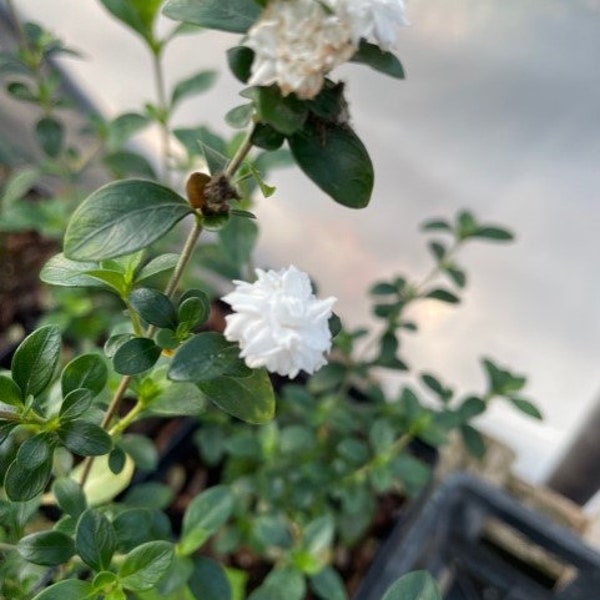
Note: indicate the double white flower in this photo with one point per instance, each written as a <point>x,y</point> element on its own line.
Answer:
<point>279,323</point>
<point>297,42</point>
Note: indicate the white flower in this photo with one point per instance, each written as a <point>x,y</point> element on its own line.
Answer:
<point>279,323</point>
<point>377,21</point>
<point>297,42</point>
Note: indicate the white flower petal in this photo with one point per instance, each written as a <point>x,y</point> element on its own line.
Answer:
<point>279,323</point>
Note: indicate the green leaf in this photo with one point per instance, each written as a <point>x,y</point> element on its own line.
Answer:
<point>267,137</point>
<point>418,585</point>
<point>336,160</point>
<point>95,539</point>
<point>473,440</point>
<point>250,399</point>
<point>239,117</point>
<point>113,279</point>
<point>502,382</point>
<point>328,585</point>
<point>10,393</point>
<point>236,16</point>
<point>239,59</point>
<point>88,371</point>
<point>141,449</point>
<point>383,289</point>
<point>158,265</point>
<point>443,296</point>
<point>434,384</point>
<point>17,186</point>
<point>122,217</point>
<point>69,496</point>
<point>438,250</point>
<point>23,482</point>
<point>179,399</point>
<point>50,135</point>
<point>193,311</point>
<point>64,272</point>
<point>436,225</point>
<point>526,407</point>
<point>35,360</point>
<point>380,60</point>
<point>46,548</point>
<point>193,85</point>
<point>139,15</point>
<point>124,127</point>
<point>286,114</point>
<point>145,565</point>
<point>136,356</point>
<point>116,460</point>
<point>209,580</point>
<point>281,582</point>
<point>458,276</point>
<point>124,163</point>
<point>22,91</point>
<point>204,516</point>
<point>388,353</point>
<point>154,307</point>
<point>70,589</point>
<point>75,404</point>
<point>495,234</point>
<point>471,407</point>
<point>206,356</point>
<point>84,438</point>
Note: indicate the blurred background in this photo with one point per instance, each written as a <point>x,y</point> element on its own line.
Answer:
<point>499,114</point>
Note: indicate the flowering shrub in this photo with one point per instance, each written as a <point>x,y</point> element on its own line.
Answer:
<point>75,524</point>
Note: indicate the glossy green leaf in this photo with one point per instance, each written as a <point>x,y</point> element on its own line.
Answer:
<point>75,404</point>
<point>204,516</point>
<point>418,585</point>
<point>206,356</point>
<point>10,393</point>
<point>23,482</point>
<point>95,539</point>
<point>113,279</point>
<point>88,371</point>
<point>239,117</point>
<point>380,60</point>
<point>84,438</point>
<point>46,548</point>
<point>282,582</point>
<point>136,356</point>
<point>141,449</point>
<point>209,580</point>
<point>64,272</point>
<point>122,217</point>
<point>239,59</point>
<point>179,399</point>
<point>70,589</point>
<point>69,496</point>
<point>116,460</point>
<point>250,399</point>
<point>335,159</point>
<point>265,136</point>
<point>145,565</point>
<point>193,310</point>
<point>154,307</point>
<point>286,114</point>
<point>158,265</point>
<point>196,84</point>
<point>50,135</point>
<point>35,360</point>
<point>236,16</point>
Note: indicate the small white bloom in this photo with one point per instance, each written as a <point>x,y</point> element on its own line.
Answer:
<point>377,21</point>
<point>279,323</point>
<point>297,42</point>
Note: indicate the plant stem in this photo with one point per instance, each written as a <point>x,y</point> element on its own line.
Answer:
<point>163,108</point>
<point>240,155</point>
<point>4,547</point>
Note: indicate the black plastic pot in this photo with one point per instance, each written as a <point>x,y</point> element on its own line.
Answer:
<point>445,535</point>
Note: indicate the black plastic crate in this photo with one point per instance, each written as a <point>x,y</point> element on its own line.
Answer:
<point>445,534</point>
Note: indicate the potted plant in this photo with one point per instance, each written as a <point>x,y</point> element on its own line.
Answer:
<point>274,503</point>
